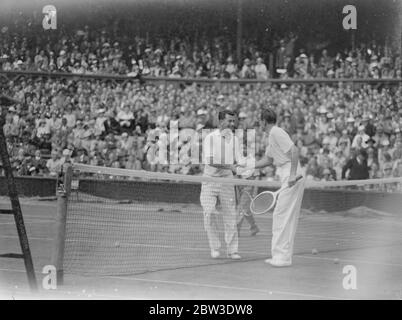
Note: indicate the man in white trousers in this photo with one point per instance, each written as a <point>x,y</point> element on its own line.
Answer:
<point>220,149</point>
<point>284,154</point>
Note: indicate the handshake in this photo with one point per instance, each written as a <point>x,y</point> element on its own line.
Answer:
<point>245,167</point>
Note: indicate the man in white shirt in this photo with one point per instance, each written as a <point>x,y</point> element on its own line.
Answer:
<point>219,153</point>
<point>54,164</point>
<point>261,69</point>
<point>285,156</point>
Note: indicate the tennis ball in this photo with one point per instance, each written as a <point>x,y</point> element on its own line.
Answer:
<point>314,251</point>
<point>336,261</point>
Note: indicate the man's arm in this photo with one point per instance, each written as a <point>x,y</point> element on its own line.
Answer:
<point>263,162</point>
<point>293,154</point>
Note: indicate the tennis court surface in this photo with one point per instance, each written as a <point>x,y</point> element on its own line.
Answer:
<point>120,248</point>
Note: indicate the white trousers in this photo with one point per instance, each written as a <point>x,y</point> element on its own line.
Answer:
<point>210,193</point>
<point>286,216</point>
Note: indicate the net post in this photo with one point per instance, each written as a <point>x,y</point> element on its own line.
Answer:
<point>62,193</point>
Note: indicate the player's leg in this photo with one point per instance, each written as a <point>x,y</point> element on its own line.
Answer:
<point>285,220</point>
<point>230,218</point>
<point>208,197</point>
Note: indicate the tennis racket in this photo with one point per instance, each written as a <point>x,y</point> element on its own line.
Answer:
<point>266,200</point>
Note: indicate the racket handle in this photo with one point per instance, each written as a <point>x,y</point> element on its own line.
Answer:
<point>297,178</point>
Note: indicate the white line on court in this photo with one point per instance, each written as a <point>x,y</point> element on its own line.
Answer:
<point>352,260</point>
<point>194,284</point>
<point>69,294</point>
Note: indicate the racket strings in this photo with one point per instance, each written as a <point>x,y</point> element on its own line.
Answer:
<point>262,202</point>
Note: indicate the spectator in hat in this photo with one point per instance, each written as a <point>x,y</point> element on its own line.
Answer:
<point>111,124</point>
<point>398,133</point>
<point>312,169</point>
<point>397,152</point>
<point>42,129</point>
<point>331,139</point>
<point>54,122</point>
<point>339,161</point>
<point>66,156</point>
<point>125,117</point>
<point>350,127</point>
<point>327,175</point>
<point>132,163</point>
<point>70,116</point>
<point>398,168</point>
<point>87,135</point>
<point>100,129</point>
<point>79,130</point>
<point>326,172</point>
<point>203,121</point>
<point>230,69</point>
<point>344,138</point>
<point>359,141</point>
<point>323,123</point>
<point>311,135</point>
<point>384,153</point>
<point>369,127</point>
<point>125,142</point>
<point>387,172</point>
<point>356,168</point>
<point>54,164</point>
<point>375,172</point>
<point>38,164</point>
<point>10,129</point>
<point>371,156</point>
<point>380,136</point>
<point>261,70</point>
<point>247,71</point>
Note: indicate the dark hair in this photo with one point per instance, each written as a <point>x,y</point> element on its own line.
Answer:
<point>222,114</point>
<point>269,115</point>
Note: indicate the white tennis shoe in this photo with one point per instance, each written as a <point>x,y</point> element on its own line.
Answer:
<point>215,254</point>
<point>234,256</point>
<point>278,263</point>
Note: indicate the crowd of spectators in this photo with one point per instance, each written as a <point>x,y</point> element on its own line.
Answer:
<point>123,125</point>
<point>115,50</point>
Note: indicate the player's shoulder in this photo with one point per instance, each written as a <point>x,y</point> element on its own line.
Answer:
<point>277,129</point>
<point>277,132</point>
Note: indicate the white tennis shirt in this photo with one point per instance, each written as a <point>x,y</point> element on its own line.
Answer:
<point>279,143</point>
<point>224,149</point>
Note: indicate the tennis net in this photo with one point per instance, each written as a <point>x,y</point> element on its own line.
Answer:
<point>122,221</point>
